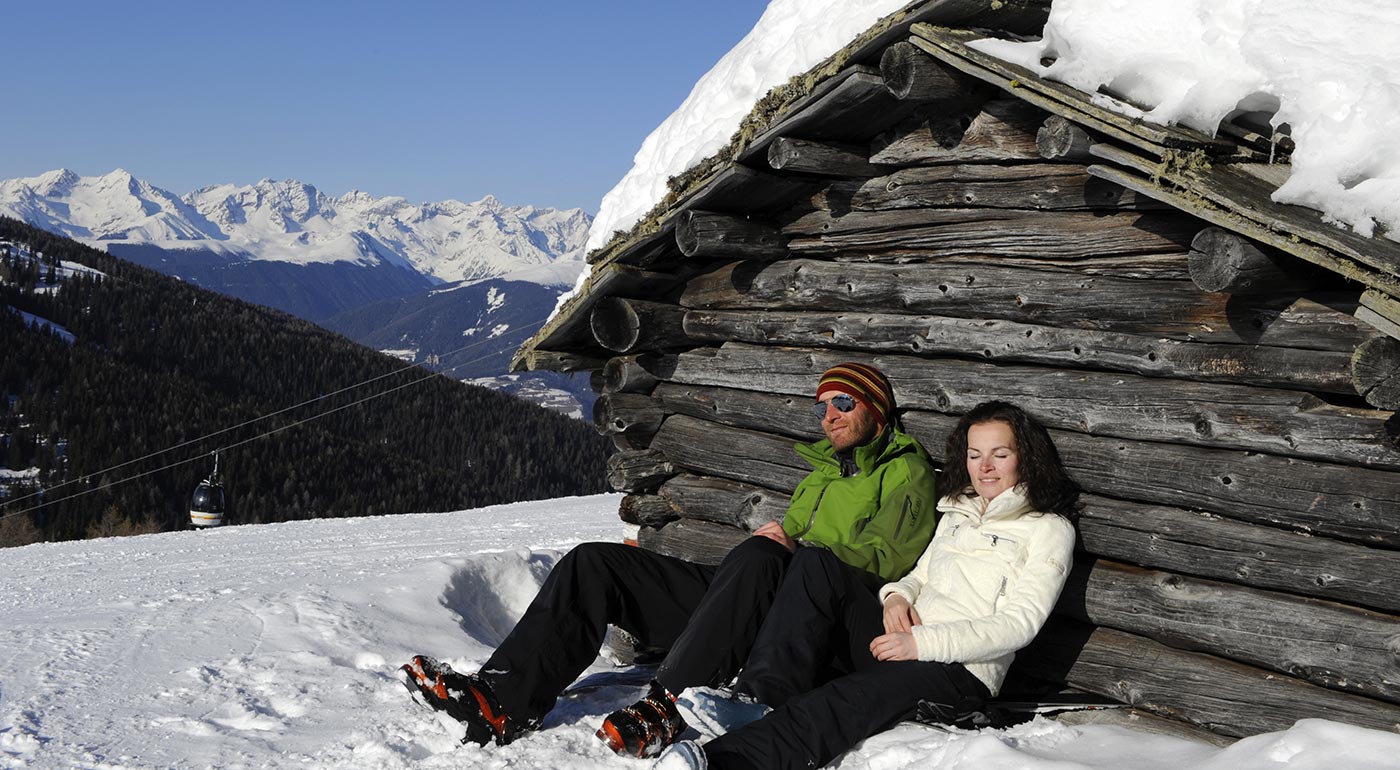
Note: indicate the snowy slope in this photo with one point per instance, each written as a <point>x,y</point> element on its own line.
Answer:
<point>293,222</point>
<point>274,646</point>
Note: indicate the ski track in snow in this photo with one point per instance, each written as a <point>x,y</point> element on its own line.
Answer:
<point>276,646</point>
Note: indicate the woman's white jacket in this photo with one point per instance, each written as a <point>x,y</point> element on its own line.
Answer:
<point>987,582</point>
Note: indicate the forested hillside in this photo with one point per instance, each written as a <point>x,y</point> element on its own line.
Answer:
<point>142,363</point>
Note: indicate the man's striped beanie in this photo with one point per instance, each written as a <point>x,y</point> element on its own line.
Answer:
<point>866,383</point>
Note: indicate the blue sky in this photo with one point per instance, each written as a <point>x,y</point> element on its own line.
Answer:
<point>534,102</point>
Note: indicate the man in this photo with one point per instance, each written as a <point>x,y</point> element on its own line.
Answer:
<point>869,501</point>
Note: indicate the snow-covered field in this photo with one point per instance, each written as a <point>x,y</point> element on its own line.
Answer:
<point>275,646</point>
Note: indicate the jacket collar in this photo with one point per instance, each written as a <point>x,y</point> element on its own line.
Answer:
<point>1010,504</point>
<point>867,457</point>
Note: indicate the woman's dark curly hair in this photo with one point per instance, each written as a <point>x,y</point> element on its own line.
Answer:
<point>1048,485</point>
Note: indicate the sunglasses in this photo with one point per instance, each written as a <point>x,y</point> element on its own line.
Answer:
<point>841,401</point>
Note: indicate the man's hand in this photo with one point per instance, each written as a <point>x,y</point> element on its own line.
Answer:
<point>774,531</point>
<point>894,647</point>
<point>900,618</point>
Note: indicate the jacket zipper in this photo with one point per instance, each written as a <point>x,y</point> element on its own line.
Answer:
<point>902,516</point>
<point>813,518</point>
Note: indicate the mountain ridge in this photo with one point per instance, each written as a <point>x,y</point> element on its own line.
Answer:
<point>292,221</point>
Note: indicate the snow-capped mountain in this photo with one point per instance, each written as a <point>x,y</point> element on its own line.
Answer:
<point>293,222</point>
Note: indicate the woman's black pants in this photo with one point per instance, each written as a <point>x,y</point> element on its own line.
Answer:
<point>823,620</point>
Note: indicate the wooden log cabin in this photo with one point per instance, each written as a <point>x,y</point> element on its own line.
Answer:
<point>1219,371</point>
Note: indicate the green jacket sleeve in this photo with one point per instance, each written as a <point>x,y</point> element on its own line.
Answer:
<point>889,543</point>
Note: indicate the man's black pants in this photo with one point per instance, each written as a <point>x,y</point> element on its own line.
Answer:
<point>824,616</point>
<point>707,616</point>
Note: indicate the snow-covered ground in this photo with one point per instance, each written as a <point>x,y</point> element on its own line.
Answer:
<point>275,646</point>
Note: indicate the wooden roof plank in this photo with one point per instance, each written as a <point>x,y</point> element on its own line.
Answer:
<point>1294,229</point>
<point>1225,217</point>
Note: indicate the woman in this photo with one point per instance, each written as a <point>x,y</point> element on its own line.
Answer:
<point>944,633</point>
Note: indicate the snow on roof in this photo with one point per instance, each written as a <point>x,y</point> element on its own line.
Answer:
<point>1328,71</point>
<point>790,38</point>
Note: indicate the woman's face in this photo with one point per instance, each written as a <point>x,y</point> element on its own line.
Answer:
<point>991,458</point>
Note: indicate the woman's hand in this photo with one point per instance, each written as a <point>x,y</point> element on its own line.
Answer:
<point>774,531</point>
<point>900,618</point>
<point>899,646</point>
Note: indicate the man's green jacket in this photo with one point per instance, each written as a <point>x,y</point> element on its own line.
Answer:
<point>881,518</point>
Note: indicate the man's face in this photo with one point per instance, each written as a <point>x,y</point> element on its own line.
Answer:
<point>848,430</point>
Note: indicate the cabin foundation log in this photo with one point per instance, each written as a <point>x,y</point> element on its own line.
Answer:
<point>999,131</point>
<point>702,542</point>
<point>1227,262</point>
<point>1172,309</point>
<point>632,325</point>
<point>638,470</point>
<point>1223,696</point>
<point>705,234</point>
<point>1331,645</point>
<point>646,510</point>
<point>723,501</point>
<point>995,340</point>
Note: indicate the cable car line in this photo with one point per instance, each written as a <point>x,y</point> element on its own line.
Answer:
<point>274,431</point>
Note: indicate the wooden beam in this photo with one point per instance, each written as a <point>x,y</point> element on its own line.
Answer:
<point>847,107</point>
<point>1350,504</point>
<point>999,131</point>
<point>630,413</point>
<point>1195,543</point>
<point>706,234</point>
<point>702,542</point>
<point>1228,262</point>
<point>646,510</point>
<point>912,75</point>
<point>1232,198</point>
<point>996,340</point>
<point>1027,186</point>
<point>1281,422</point>
<point>1375,372</point>
<point>983,232</point>
<point>1172,309</point>
<point>1353,504</point>
<point>824,159</point>
<point>635,373</point>
<point>724,501</point>
<point>1339,647</point>
<point>629,325</point>
<point>639,470</point>
<point>1221,695</point>
<point>1381,311</point>
<point>751,457</point>
<point>1059,139</point>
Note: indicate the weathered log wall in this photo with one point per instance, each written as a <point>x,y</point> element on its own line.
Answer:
<point>1242,510</point>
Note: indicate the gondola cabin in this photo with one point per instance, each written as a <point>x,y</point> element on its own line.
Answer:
<point>207,503</point>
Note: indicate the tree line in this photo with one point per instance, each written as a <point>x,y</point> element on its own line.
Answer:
<point>155,363</point>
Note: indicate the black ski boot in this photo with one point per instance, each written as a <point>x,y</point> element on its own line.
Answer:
<point>645,728</point>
